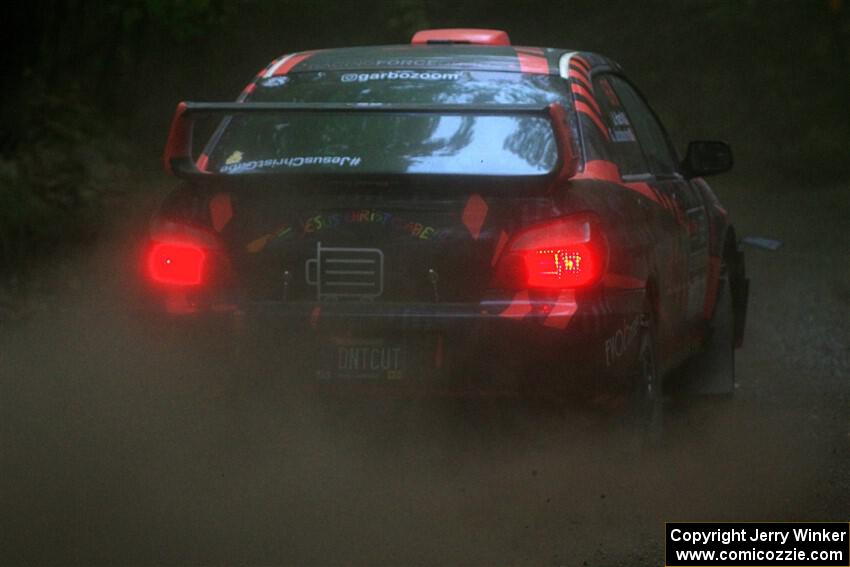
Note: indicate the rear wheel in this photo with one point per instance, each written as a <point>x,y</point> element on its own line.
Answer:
<point>712,372</point>
<point>647,401</point>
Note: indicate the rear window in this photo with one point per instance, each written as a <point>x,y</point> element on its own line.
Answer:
<point>373,143</point>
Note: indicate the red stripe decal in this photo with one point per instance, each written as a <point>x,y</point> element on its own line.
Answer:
<point>582,107</point>
<point>291,62</point>
<point>179,141</point>
<point>581,61</point>
<point>520,306</point>
<point>474,215</point>
<point>202,161</point>
<point>602,170</point>
<point>221,211</point>
<point>563,310</point>
<point>532,50</point>
<point>249,88</point>
<point>578,88</point>
<point>581,79</point>
<point>580,69</point>
<point>533,64</point>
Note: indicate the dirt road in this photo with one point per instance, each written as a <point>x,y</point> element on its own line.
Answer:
<point>118,448</point>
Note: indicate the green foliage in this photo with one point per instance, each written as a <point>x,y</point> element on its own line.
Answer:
<point>407,16</point>
<point>53,184</point>
<point>181,20</point>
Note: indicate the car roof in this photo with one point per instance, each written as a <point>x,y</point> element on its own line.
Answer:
<point>506,58</point>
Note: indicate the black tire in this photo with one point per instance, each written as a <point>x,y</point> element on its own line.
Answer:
<point>712,372</point>
<point>647,396</point>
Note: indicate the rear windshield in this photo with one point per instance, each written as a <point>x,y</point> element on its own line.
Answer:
<point>373,143</point>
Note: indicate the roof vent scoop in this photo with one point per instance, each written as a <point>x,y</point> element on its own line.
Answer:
<point>461,35</point>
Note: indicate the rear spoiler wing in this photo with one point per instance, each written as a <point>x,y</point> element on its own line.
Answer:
<point>178,150</point>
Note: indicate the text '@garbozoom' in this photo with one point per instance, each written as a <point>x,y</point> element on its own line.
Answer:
<point>758,544</point>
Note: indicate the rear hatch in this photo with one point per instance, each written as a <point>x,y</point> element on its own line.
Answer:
<point>407,240</point>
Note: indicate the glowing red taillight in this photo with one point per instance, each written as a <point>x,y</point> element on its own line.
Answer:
<point>176,263</point>
<point>572,266</point>
<point>570,252</point>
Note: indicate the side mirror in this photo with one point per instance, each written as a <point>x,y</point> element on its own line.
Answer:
<point>707,158</point>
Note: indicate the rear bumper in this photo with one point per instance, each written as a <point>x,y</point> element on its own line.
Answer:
<point>397,316</point>
<point>494,348</point>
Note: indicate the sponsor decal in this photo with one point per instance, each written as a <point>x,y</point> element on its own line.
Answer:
<point>398,76</point>
<point>622,129</point>
<point>233,158</point>
<point>320,222</point>
<point>616,345</point>
<point>291,162</point>
<point>361,63</point>
<point>619,118</point>
<point>256,245</point>
<point>622,135</point>
<point>345,272</point>
<point>272,82</point>
<point>373,216</point>
<point>408,62</point>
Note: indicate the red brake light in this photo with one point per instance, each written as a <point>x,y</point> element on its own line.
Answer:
<point>571,266</point>
<point>567,253</point>
<point>176,263</point>
<point>461,35</point>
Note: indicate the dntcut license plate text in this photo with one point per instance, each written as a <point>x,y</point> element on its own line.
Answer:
<point>367,359</point>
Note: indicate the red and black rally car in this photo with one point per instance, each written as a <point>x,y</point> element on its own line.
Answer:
<point>454,216</point>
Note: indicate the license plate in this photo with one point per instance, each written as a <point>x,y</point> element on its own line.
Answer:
<point>366,359</point>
